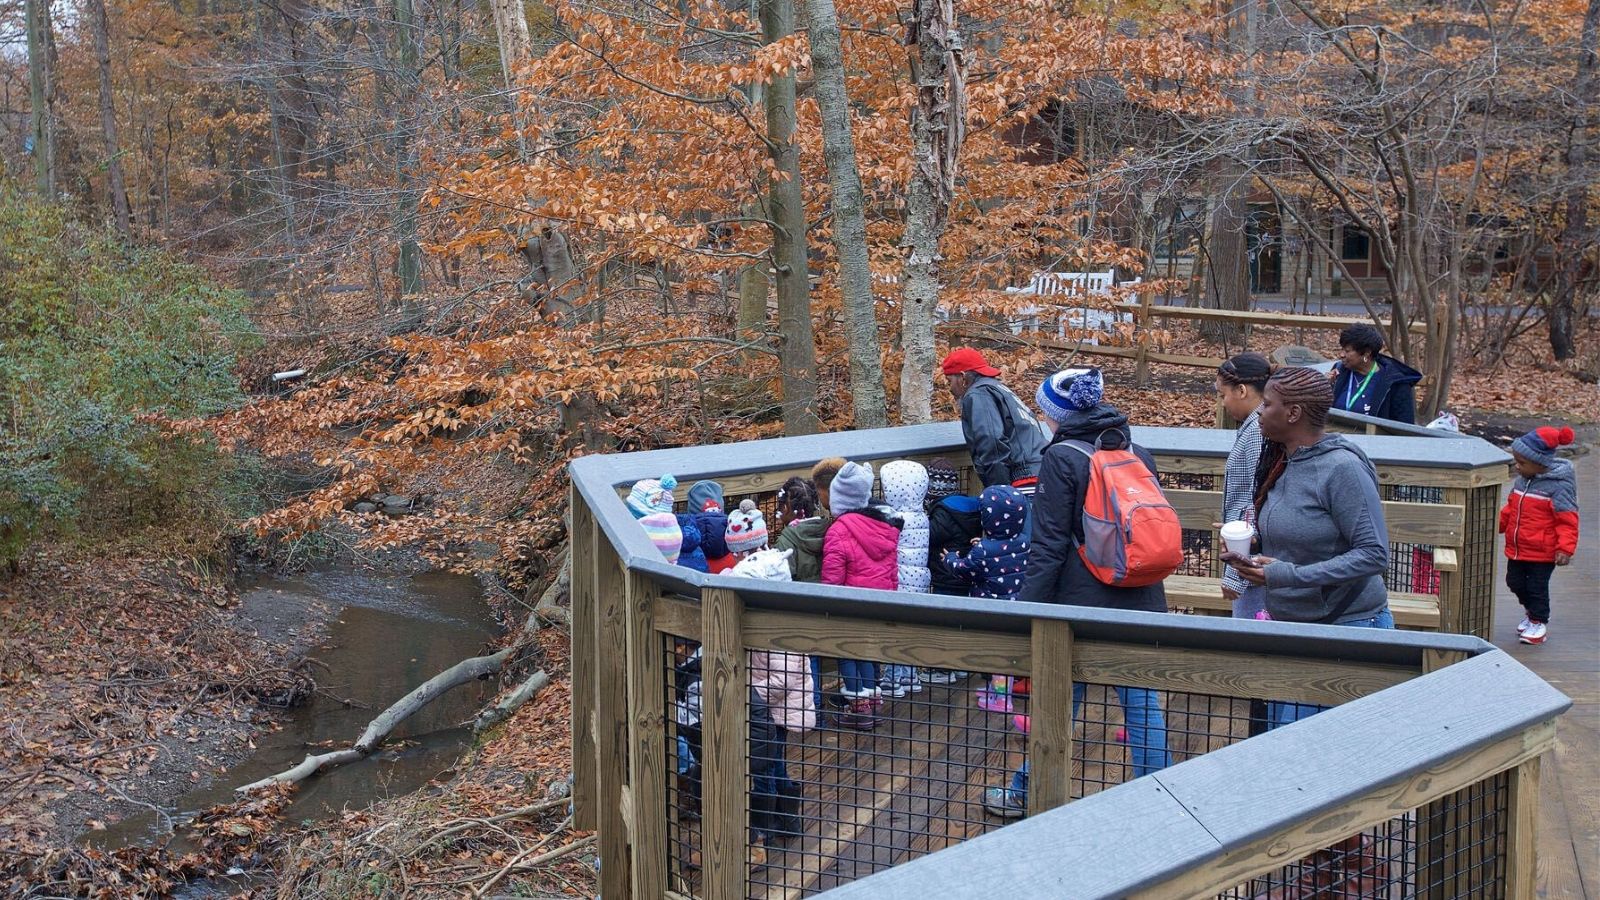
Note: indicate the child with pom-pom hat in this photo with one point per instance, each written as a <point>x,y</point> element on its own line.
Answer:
<point>1540,522</point>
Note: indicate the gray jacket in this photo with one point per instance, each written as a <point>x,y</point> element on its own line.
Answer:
<point>1323,523</point>
<point>1004,438</point>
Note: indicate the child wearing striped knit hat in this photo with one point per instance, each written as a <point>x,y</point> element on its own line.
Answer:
<point>650,501</point>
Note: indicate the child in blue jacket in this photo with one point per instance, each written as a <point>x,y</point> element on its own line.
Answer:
<point>995,566</point>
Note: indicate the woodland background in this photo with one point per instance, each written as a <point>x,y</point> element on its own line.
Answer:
<point>494,234</point>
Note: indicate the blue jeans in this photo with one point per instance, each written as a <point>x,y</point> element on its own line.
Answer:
<point>858,675</point>
<point>896,674</point>
<point>1147,734</point>
<point>1280,713</point>
<point>816,683</point>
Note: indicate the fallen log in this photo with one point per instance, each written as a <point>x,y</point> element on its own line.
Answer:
<point>549,611</point>
<point>527,690</point>
<point>379,728</point>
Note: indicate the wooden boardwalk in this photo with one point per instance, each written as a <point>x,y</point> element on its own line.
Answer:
<point>1569,822</point>
<point>915,784</point>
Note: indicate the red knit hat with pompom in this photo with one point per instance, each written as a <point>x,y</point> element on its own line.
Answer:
<point>1539,445</point>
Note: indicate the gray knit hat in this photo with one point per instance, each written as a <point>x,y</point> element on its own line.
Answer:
<point>705,494</point>
<point>851,488</point>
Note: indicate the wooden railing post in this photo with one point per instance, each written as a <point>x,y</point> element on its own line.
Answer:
<point>725,731</point>
<point>611,717</point>
<point>582,545</point>
<point>1141,334</point>
<point>1522,811</point>
<point>647,741</point>
<point>1451,594</point>
<point>1050,711</point>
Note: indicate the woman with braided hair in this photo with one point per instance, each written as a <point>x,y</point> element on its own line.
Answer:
<point>1324,544</point>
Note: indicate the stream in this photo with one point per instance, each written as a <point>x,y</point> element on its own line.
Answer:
<point>389,633</point>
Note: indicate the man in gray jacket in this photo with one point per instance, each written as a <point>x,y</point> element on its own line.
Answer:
<point>1004,438</point>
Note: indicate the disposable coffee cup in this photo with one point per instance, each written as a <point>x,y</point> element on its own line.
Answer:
<point>1237,536</point>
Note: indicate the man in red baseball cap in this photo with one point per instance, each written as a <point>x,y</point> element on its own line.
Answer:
<point>1005,440</point>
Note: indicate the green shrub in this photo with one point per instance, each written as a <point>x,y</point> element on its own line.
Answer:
<point>97,339</point>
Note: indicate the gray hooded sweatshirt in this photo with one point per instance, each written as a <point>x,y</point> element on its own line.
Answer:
<point>1323,523</point>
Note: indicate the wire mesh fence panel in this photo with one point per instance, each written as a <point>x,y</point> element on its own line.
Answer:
<point>1453,849</point>
<point>1122,733</point>
<point>1200,555</point>
<point>880,779</point>
<point>681,659</point>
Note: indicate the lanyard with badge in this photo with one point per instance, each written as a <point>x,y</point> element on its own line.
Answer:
<point>1353,393</point>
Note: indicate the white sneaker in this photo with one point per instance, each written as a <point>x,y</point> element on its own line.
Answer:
<point>1524,625</point>
<point>1534,635</point>
<point>862,694</point>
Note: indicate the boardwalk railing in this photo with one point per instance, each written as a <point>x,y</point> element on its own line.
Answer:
<point>675,794</point>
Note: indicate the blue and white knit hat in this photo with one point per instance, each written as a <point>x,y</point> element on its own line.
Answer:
<point>1069,390</point>
<point>650,495</point>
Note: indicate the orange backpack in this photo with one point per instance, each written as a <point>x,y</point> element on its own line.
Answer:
<point>1131,535</point>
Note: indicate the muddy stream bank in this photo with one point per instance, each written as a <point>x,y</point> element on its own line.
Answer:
<point>387,634</point>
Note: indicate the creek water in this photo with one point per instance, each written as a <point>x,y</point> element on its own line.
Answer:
<point>389,633</point>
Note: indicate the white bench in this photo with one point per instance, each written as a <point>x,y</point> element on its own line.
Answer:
<point>1068,285</point>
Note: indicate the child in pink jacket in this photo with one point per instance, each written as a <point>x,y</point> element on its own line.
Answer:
<point>861,549</point>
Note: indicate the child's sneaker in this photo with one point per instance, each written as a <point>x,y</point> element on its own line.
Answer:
<point>1524,625</point>
<point>1535,633</point>
<point>1004,802</point>
<point>860,716</point>
<point>1022,723</point>
<point>991,701</point>
<point>938,676</point>
<point>909,684</point>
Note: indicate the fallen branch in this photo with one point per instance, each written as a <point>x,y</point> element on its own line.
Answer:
<point>520,861</point>
<point>549,611</point>
<point>430,690</point>
<point>466,824</point>
<point>501,711</point>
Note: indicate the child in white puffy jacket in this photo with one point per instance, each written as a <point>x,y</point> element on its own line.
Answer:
<point>905,493</point>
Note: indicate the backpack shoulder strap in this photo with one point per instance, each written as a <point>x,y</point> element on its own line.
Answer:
<point>1081,447</point>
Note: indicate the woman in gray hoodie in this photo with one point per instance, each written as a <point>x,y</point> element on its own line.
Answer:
<point>1324,544</point>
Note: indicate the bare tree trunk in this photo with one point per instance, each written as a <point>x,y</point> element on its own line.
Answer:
<point>938,127</point>
<point>41,94</point>
<point>1228,275</point>
<point>797,353</point>
<point>116,188</point>
<point>754,287</point>
<point>849,217</point>
<point>1575,238</point>
<point>409,265</point>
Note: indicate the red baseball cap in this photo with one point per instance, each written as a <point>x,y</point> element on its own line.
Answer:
<point>966,359</point>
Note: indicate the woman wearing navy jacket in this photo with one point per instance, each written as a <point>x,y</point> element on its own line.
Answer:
<point>1370,382</point>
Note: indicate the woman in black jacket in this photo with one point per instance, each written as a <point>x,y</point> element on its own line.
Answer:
<point>1072,401</point>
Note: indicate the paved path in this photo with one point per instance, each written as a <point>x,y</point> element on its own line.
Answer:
<point>1569,827</point>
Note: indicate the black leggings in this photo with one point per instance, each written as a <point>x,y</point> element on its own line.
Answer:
<point>1530,581</point>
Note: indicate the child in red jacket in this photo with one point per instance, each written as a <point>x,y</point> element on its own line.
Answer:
<point>1540,522</point>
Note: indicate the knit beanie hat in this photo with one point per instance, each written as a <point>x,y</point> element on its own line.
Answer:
<point>851,488</point>
<point>650,495</point>
<point>1539,445</point>
<point>662,527</point>
<point>703,495</point>
<point>1069,390</point>
<point>747,530</point>
<point>943,480</point>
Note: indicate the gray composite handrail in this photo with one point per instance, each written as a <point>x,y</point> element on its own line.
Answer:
<point>1148,831</point>
<point>1390,426</point>
<point>596,479</point>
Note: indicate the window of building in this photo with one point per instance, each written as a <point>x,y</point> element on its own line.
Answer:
<point>1355,246</point>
